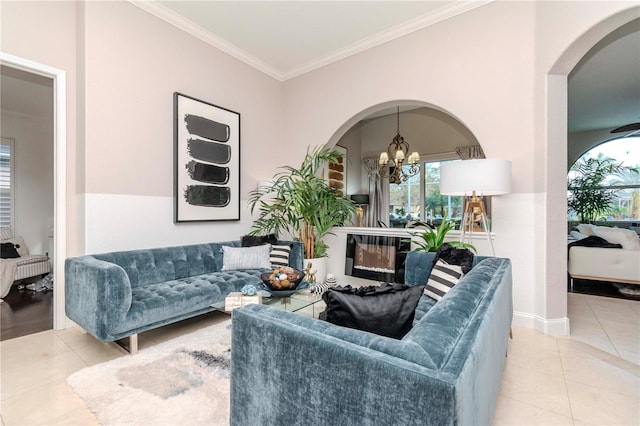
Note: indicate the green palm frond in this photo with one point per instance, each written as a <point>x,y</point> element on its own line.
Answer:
<point>300,203</point>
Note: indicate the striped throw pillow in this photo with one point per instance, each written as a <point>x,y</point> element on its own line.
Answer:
<point>279,256</point>
<point>442,279</point>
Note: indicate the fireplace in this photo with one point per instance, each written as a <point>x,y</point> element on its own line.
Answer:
<point>376,257</point>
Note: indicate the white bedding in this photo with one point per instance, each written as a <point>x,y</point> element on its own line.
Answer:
<point>20,268</point>
<point>605,264</point>
<point>7,272</point>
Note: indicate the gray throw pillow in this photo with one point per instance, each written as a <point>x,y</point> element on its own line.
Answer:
<point>234,258</point>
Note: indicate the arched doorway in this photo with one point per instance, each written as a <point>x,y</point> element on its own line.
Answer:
<point>433,133</point>
<point>555,296</point>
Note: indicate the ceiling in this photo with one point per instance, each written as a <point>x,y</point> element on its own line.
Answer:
<point>604,88</point>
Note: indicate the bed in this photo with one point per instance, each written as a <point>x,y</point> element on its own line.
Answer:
<point>604,254</point>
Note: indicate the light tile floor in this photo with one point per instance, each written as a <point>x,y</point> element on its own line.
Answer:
<point>547,380</point>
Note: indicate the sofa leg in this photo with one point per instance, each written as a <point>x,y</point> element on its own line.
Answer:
<point>132,348</point>
<point>133,344</point>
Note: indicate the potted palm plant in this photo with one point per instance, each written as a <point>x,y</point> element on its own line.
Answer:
<point>299,203</point>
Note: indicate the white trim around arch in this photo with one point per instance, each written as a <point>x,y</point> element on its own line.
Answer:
<point>59,78</point>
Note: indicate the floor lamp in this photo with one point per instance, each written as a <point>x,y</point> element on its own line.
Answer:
<point>474,179</point>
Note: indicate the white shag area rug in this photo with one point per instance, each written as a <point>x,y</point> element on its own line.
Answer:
<point>184,381</point>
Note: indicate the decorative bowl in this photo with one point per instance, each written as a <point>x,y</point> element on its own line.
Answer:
<point>292,287</point>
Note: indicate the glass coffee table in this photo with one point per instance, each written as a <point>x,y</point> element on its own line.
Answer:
<point>296,302</point>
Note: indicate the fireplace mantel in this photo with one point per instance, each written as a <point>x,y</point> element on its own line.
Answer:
<point>337,239</point>
<point>401,232</point>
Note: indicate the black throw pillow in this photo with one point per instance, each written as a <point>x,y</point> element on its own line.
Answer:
<point>455,256</point>
<point>257,240</point>
<point>386,310</point>
<point>8,251</point>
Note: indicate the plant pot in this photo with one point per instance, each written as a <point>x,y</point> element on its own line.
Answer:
<point>319,265</point>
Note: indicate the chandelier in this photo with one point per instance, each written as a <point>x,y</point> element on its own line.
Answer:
<point>397,152</point>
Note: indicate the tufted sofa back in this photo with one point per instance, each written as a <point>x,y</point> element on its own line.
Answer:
<point>156,265</point>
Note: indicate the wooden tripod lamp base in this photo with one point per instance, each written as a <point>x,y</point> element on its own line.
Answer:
<point>475,213</point>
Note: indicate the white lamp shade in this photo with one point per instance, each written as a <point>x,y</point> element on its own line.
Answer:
<point>484,176</point>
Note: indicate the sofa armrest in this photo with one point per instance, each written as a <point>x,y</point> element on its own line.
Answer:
<point>280,361</point>
<point>97,295</point>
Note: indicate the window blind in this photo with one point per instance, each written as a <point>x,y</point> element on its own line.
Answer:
<point>6,183</point>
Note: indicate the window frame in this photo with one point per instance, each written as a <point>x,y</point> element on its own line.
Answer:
<point>425,159</point>
<point>613,187</point>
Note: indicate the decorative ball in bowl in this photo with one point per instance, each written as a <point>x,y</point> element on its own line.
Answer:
<point>283,281</point>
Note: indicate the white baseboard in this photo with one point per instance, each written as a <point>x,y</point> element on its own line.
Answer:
<point>553,327</point>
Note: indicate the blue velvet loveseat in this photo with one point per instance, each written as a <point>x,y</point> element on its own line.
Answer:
<point>292,370</point>
<point>120,294</point>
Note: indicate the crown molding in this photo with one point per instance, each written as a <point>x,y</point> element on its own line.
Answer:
<point>197,31</point>
<point>392,33</point>
<point>231,49</point>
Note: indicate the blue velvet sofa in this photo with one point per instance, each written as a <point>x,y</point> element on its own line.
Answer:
<point>120,294</point>
<point>292,370</point>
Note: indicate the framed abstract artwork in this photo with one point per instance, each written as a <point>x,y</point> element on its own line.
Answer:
<point>206,161</point>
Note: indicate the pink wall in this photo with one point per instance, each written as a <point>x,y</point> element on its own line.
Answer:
<point>134,62</point>
<point>45,32</point>
<point>477,67</point>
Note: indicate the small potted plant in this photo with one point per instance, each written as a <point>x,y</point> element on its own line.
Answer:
<point>432,238</point>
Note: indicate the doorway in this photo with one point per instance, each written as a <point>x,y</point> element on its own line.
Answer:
<point>59,244</point>
<point>27,212</point>
<point>554,301</point>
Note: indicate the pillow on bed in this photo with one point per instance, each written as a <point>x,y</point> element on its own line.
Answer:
<point>627,238</point>
<point>8,251</point>
<point>18,243</point>
<point>586,229</point>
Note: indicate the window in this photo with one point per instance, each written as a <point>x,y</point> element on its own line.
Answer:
<point>419,198</point>
<point>612,196</point>
<point>6,182</point>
